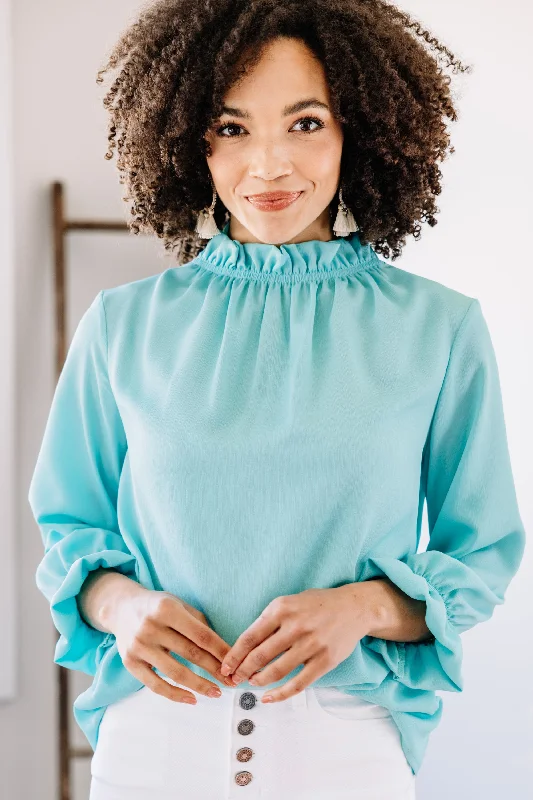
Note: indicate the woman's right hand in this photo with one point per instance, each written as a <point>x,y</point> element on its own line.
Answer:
<point>152,623</point>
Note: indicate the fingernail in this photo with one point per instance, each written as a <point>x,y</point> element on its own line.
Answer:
<point>214,692</point>
<point>267,698</point>
<point>237,680</point>
<point>225,669</point>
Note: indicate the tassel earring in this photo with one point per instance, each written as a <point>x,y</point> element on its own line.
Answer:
<point>345,222</point>
<point>206,226</point>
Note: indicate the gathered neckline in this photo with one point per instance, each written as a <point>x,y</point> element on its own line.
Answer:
<point>312,260</point>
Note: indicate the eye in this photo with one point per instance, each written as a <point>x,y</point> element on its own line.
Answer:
<point>223,128</point>
<point>232,124</point>
<point>311,119</point>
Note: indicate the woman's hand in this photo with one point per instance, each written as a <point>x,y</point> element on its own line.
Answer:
<point>316,627</point>
<point>149,625</point>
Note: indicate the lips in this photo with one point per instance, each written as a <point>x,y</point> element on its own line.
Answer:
<point>273,201</point>
<point>270,196</point>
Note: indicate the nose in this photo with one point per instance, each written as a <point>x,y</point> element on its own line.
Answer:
<point>269,163</point>
<point>268,175</point>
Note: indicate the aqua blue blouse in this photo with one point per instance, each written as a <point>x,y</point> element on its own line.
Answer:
<point>264,420</point>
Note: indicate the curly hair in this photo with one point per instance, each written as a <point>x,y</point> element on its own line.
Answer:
<point>388,85</point>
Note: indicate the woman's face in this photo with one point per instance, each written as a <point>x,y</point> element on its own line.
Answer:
<point>260,145</point>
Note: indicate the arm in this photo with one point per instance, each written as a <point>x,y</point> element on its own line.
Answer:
<point>74,488</point>
<point>477,538</point>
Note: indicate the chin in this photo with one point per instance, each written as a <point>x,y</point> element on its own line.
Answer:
<point>277,233</point>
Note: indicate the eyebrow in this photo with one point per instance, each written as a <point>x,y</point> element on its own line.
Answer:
<point>287,111</point>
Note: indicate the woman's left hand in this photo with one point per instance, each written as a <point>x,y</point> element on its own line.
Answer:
<point>316,627</point>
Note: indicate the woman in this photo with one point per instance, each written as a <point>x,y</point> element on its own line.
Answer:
<point>239,448</point>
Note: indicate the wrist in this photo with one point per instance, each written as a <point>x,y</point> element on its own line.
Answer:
<point>393,614</point>
<point>118,594</point>
<point>371,604</point>
<point>382,606</point>
<point>104,595</point>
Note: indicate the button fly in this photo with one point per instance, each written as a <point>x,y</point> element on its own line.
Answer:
<point>247,701</point>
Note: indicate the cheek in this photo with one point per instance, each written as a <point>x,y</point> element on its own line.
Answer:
<point>322,159</point>
<point>224,162</point>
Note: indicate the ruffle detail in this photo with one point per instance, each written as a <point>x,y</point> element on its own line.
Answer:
<point>436,663</point>
<point>60,576</point>
<point>288,263</point>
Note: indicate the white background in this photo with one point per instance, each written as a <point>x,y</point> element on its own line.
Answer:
<point>53,127</point>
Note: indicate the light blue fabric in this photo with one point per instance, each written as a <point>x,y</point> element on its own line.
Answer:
<point>264,420</point>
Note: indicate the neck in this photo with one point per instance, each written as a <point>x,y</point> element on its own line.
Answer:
<point>320,230</point>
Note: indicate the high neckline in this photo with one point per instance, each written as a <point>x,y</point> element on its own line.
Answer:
<point>303,261</point>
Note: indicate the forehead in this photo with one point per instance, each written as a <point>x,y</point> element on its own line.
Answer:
<point>287,71</point>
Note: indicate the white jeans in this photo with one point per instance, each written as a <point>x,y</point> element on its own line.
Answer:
<point>320,744</point>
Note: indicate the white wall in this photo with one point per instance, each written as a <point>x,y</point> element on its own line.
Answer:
<point>8,612</point>
<point>484,742</point>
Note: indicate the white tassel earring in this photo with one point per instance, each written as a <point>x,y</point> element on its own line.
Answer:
<point>345,222</point>
<point>206,226</point>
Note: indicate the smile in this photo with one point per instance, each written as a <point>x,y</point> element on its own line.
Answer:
<point>264,204</point>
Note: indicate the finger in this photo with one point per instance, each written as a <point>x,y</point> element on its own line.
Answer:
<point>196,613</point>
<point>175,616</point>
<point>143,672</point>
<point>264,626</point>
<point>297,684</point>
<point>173,641</point>
<point>280,668</point>
<point>165,663</point>
<point>262,655</point>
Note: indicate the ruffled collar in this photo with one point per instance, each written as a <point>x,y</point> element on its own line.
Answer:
<point>310,260</point>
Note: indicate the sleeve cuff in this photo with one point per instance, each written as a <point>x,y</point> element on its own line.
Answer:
<point>435,663</point>
<point>80,646</point>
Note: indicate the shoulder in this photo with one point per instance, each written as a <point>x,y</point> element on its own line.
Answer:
<point>132,303</point>
<point>133,292</point>
<point>428,299</point>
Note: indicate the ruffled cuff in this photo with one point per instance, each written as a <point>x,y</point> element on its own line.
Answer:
<point>60,576</point>
<point>436,662</point>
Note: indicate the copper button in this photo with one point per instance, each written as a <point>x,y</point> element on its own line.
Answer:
<point>242,778</point>
<point>244,753</point>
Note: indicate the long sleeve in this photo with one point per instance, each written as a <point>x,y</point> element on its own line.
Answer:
<point>73,491</point>
<point>477,538</point>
